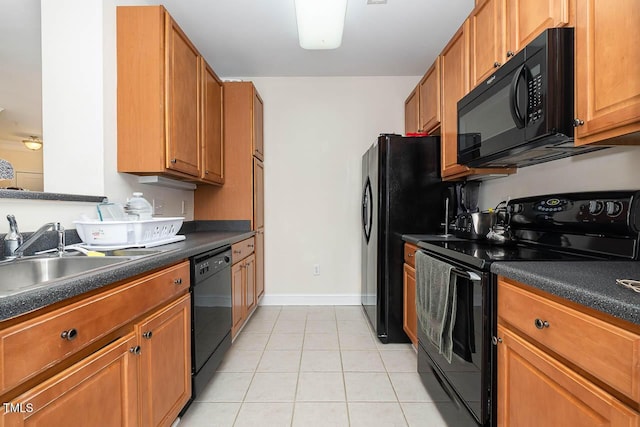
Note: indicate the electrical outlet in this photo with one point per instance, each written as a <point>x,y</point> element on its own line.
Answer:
<point>316,269</point>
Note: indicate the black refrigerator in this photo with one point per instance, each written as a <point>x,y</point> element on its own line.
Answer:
<point>402,193</point>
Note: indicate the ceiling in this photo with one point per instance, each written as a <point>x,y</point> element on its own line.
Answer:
<point>246,38</point>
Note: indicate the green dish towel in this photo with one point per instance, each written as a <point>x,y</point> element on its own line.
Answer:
<point>436,301</point>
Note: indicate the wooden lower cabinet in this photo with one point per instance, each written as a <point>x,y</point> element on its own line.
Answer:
<point>534,389</point>
<point>244,294</point>
<point>561,364</point>
<point>410,317</point>
<point>409,312</point>
<point>99,391</point>
<point>129,363</point>
<point>260,262</point>
<point>165,363</point>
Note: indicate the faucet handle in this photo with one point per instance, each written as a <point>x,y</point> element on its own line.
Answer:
<point>61,238</point>
<point>13,238</point>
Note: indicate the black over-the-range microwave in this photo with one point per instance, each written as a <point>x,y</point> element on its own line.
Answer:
<point>523,113</point>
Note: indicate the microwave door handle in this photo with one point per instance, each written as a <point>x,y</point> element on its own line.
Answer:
<point>513,98</point>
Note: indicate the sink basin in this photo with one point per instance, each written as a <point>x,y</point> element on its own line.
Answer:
<point>30,273</point>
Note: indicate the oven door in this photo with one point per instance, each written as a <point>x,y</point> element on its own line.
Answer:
<point>467,379</point>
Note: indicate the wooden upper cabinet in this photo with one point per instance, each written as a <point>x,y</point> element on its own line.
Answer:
<point>455,84</point>
<point>212,142</point>
<point>258,194</point>
<point>183,72</point>
<point>169,100</point>
<point>526,19</point>
<point>607,85</point>
<point>430,98</point>
<point>412,112</point>
<point>258,125</point>
<point>487,36</point>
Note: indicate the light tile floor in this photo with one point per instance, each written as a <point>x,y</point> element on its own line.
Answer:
<point>314,366</point>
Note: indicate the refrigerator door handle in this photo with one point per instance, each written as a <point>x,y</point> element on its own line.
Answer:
<point>367,212</point>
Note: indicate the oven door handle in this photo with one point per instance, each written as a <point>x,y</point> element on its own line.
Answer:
<point>474,277</point>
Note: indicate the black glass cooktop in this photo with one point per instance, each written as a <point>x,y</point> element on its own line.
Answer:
<point>482,254</point>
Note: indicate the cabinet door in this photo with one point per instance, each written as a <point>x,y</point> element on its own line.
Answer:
<point>237,297</point>
<point>535,389</point>
<point>258,194</point>
<point>250,283</point>
<point>182,91</point>
<point>259,262</point>
<point>429,88</point>
<point>411,112</point>
<point>98,391</point>
<point>258,125</point>
<point>212,141</point>
<point>455,83</point>
<point>487,34</point>
<point>410,316</point>
<point>526,19</point>
<point>607,63</point>
<point>165,363</point>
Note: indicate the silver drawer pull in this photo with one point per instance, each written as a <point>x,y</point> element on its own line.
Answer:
<point>69,335</point>
<point>541,324</point>
<point>135,350</point>
<point>147,335</point>
<point>410,255</point>
<point>177,281</point>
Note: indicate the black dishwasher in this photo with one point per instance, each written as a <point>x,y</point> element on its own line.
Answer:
<point>210,315</point>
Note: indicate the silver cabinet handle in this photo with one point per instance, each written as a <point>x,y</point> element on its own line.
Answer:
<point>496,64</point>
<point>496,340</point>
<point>410,255</point>
<point>577,122</point>
<point>541,324</point>
<point>251,246</point>
<point>69,335</point>
<point>173,161</point>
<point>177,281</point>
<point>147,335</point>
<point>510,54</point>
<point>135,350</point>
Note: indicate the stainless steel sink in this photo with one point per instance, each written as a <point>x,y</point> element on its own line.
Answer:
<point>30,273</point>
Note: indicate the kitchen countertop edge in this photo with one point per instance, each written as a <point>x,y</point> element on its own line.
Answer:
<point>60,290</point>
<point>588,283</point>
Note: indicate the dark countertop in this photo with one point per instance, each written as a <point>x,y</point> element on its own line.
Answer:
<point>60,290</point>
<point>590,283</point>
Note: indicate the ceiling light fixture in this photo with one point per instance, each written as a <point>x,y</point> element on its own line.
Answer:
<point>320,23</point>
<point>33,143</point>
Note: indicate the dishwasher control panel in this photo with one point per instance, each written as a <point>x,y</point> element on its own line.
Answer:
<point>210,263</point>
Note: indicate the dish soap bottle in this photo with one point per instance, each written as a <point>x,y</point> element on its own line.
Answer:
<point>138,208</point>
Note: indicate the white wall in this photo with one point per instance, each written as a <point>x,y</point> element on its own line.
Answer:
<point>79,84</point>
<point>316,130</point>
<point>615,168</point>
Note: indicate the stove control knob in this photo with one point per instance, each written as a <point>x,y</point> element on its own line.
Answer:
<point>614,208</point>
<point>517,208</point>
<point>595,207</point>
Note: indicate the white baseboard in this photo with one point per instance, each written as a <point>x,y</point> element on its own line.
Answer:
<point>310,299</point>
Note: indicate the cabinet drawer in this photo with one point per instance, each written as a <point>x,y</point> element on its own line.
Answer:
<point>242,249</point>
<point>29,348</point>
<point>410,254</point>
<point>607,352</point>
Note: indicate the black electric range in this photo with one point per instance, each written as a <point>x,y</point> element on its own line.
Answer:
<point>572,226</point>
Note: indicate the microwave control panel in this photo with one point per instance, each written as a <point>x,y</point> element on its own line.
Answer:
<point>535,98</point>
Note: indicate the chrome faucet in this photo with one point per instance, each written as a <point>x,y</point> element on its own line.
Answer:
<point>55,226</point>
